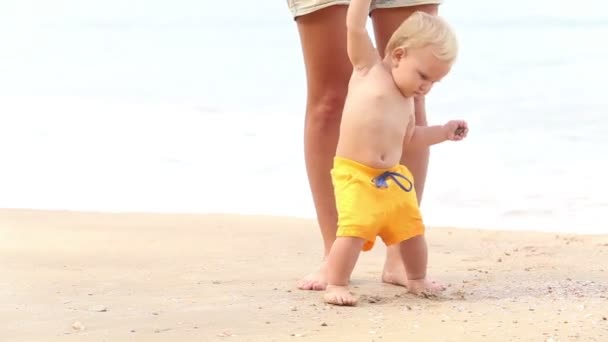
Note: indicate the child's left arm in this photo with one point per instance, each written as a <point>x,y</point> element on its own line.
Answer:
<point>423,136</point>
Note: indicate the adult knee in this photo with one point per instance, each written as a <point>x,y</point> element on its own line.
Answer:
<point>325,110</point>
<point>420,111</point>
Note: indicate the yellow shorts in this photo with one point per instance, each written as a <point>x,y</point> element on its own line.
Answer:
<point>303,7</point>
<point>375,202</point>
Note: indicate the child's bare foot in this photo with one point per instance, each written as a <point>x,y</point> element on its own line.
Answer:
<point>316,281</point>
<point>424,287</point>
<point>339,295</point>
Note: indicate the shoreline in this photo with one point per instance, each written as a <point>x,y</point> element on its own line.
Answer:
<point>123,276</point>
<point>487,227</point>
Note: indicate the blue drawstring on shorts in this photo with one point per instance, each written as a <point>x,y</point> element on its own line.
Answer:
<point>380,181</point>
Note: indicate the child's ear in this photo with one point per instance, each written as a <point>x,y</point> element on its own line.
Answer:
<point>397,54</point>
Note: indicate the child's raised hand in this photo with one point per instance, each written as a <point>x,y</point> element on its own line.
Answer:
<point>456,130</point>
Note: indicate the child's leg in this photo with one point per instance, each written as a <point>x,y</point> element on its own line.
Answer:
<point>340,264</point>
<point>415,256</point>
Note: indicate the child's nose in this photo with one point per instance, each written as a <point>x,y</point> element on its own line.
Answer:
<point>426,87</point>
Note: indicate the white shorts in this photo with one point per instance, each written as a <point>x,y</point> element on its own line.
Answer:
<point>303,7</point>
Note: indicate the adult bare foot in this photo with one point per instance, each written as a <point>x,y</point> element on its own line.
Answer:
<point>339,295</point>
<point>395,276</point>
<point>394,271</point>
<point>424,287</point>
<point>316,281</point>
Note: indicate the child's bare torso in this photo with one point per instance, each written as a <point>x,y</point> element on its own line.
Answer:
<point>375,120</point>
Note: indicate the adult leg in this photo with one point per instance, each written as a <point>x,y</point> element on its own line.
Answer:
<point>386,21</point>
<point>328,70</point>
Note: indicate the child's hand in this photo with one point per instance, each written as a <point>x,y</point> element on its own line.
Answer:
<point>456,130</point>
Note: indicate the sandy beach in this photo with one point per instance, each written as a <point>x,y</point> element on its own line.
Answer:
<point>78,276</point>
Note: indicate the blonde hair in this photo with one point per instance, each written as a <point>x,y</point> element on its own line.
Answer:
<point>422,29</point>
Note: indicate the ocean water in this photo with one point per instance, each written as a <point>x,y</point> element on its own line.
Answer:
<point>197,106</point>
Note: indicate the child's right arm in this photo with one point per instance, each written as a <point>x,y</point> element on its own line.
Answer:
<point>361,51</point>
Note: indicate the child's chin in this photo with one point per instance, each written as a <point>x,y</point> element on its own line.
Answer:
<point>407,93</point>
